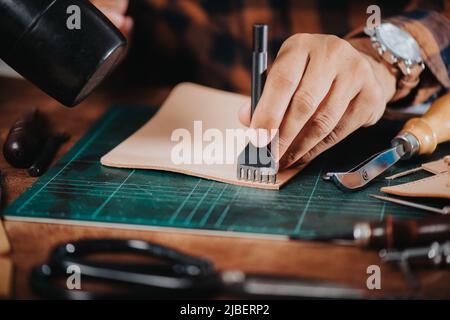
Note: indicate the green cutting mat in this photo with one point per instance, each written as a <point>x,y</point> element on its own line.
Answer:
<point>79,190</point>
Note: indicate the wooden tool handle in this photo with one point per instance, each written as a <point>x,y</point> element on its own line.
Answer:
<point>433,127</point>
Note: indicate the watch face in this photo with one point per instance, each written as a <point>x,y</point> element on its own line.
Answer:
<point>399,42</point>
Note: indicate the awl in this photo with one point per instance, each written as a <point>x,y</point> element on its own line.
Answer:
<point>419,136</point>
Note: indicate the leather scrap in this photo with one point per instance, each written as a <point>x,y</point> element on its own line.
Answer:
<point>437,186</point>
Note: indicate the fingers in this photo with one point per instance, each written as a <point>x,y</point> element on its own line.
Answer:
<point>324,120</point>
<point>314,87</point>
<point>319,90</point>
<point>282,81</point>
<point>344,128</point>
<point>356,115</point>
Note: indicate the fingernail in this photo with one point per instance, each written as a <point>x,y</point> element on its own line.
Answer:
<point>245,108</point>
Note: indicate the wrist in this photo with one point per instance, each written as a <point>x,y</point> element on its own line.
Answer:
<point>386,76</point>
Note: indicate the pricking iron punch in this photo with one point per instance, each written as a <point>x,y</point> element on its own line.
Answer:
<point>419,136</point>
<point>257,163</point>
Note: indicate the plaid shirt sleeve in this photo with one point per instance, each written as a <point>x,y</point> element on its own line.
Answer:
<point>428,23</point>
<point>210,41</point>
<point>432,32</point>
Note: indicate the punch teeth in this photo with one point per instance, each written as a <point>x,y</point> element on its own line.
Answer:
<point>274,178</point>
<point>261,169</point>
<point>266,178</point>
<point>254,175</point>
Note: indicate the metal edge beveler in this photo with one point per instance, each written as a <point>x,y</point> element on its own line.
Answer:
<point>419,136</point>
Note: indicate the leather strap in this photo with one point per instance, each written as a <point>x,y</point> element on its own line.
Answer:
<point>404,83</point>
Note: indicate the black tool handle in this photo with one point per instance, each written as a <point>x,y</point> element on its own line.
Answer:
<point>396,233</point>
<point>437,254</point>
<point>26,139</point>
<point>259,63</point>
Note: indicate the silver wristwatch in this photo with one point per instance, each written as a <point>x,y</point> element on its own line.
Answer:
<point>398,48</point>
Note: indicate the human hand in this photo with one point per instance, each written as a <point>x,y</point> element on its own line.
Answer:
<point>115,10</point>
<point>318,91</point>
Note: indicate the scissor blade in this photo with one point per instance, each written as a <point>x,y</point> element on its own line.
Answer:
<point>294,288</point>
<point>361,176</point>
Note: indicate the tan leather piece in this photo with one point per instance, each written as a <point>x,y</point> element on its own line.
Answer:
<point>438,166</point>
<point>151,146</point>
<point>437,186</point>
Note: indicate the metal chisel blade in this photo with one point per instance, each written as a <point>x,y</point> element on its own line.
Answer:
<point>445,210</point>
<point>365,172</point>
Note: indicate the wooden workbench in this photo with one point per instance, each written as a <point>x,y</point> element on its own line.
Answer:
<point>31,242</point>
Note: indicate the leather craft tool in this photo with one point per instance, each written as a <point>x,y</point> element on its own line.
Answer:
<point>436,186</point>
<point>411,204</point>
<point>48,153</point>
<point>401,233</point>
<point>66,63</point>
<point>173,275</point>
<point>32,144</point>
<point>26,139</point>
<point>257,163</point>
<point>434,167</point>
<point>419,136</point>
<point>393,233</point>
<point>435,255</point>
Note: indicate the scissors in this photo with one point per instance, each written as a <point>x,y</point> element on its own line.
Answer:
<point>170,274</point>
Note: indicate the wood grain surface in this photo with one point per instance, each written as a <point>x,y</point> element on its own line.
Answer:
<point>31,242</point>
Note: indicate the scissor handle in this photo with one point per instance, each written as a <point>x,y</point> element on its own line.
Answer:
<point>183,274</point>
<point>79,249</point>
